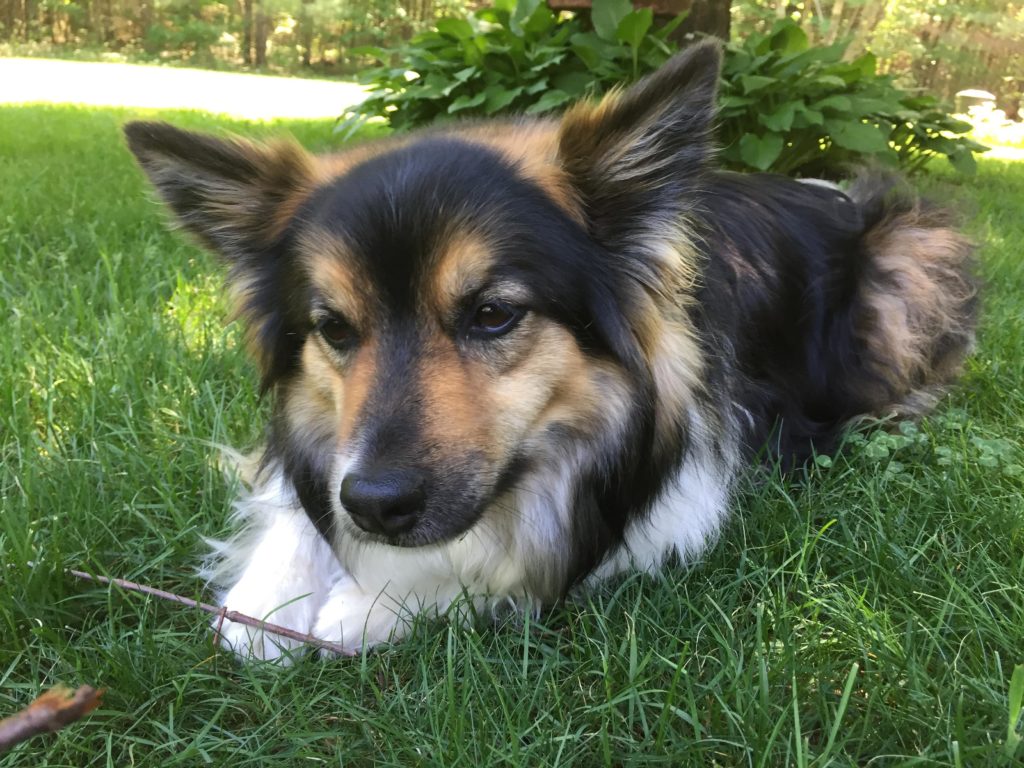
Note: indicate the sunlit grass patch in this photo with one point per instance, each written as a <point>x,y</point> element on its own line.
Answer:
<point>106,84</point>
<point>868,608</point>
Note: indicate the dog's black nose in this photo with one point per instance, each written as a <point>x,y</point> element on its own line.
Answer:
<point>385,501</point>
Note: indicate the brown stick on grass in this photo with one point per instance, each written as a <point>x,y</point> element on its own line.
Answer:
<point>222,612</point>
<point>50,712</point>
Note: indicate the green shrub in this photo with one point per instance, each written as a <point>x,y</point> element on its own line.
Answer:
<point>513,57</point>
<point>785,106</point>
<point>801,110</point>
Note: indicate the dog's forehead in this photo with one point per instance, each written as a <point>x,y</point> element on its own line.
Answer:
<point>433,218</point>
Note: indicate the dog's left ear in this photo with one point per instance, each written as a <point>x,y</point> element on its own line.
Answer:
<point>234,196</point>
<point>635,154</point>
<point>237,198</point>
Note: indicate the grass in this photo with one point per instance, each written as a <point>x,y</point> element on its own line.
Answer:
<point>867,612</point>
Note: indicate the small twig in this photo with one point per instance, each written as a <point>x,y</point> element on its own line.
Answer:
<point>223,612</point>
<point>50,712</point>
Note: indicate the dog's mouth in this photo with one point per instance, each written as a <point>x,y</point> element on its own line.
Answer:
<point>403,510</point>
<point>407,508</point>
<point>427,530</point>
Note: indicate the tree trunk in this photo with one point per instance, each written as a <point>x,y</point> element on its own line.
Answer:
<point>262,32</point>
<point>145,18</point>
<point>708,17</point>
<point>247,32</point>
<point>29,17</point>
<point>305,22</point>
<point>835,21</point>
<point>9,17</point>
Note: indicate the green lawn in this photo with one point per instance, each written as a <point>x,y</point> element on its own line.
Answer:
<point>871,611</point>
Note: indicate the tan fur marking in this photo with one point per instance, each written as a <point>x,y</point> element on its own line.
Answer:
<point>471,404</point>
<point>289,154</point>
<point>359,382</point>
<point>462,268</point>
<point>533,148</point>
<point>583,122</point>
<point>325,400</point>
<point>585,138</point>
<point>332,271</point>
<point>678,369</point>
<point>553,382</point>
<point>330,167</point>
<point>317,401</point>
<point>918,299</point>
<point>457,412</point>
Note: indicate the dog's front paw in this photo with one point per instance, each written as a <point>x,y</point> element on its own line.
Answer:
<point>355,619</point>
<point>281,573</point>
<point>248,642</point>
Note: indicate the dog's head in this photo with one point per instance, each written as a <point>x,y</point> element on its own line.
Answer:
<point>453,318</point>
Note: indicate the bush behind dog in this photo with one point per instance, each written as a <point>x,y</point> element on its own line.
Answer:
<point>785,106</point>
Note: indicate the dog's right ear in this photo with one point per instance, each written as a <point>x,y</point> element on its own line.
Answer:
<point>234,196</point>
<point>636,158</point>
<point>238,198</point>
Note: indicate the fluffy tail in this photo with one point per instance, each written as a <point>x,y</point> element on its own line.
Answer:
<point>917,297</point>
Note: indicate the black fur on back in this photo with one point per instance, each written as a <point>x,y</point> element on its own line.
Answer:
<point>782,311</point>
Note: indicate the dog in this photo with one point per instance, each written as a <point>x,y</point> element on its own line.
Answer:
<point>509,360</point>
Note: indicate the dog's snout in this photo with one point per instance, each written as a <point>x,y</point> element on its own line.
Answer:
<point>384,501</point>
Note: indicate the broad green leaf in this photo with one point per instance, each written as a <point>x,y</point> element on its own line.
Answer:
<point>788,38</point>
<point>590,56</point>
<point>547,62</point>
<point>549,101</point>
<point>1015,712</point>
<point>460,29</point>
<point>370,51</point>
<point>957,126</point>
<point>573,83</point>
<point>537,87</point>
<point>759,152</point>
<point>781,119</point>
<point>964,162</point>
<point>458,79</point>
<point>837,103</point>
<point>867,64</point>
<point>858,136</point>
<point>830,80</point>
<point>433,85</point>
<point>590,48</point>
<point>606,15</point>
<point>523,11</point>
<point>864,105</point>
<point>634,26</point>
<point>540,21</point>
<point>810,116</point>
<point>727,102</point>
<point>466,102</point>
<point>752,83</point>
<point>497,98</point>
<point>663,32</point>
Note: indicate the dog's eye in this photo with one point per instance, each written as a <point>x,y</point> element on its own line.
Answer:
<point>495,319</point>
<point>337,332</point>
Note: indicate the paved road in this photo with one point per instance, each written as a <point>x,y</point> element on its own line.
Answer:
<point>256,97</point>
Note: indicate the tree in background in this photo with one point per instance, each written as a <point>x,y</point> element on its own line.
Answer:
<point>937,45</point>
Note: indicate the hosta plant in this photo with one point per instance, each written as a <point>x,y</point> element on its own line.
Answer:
<point>785,106</point>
